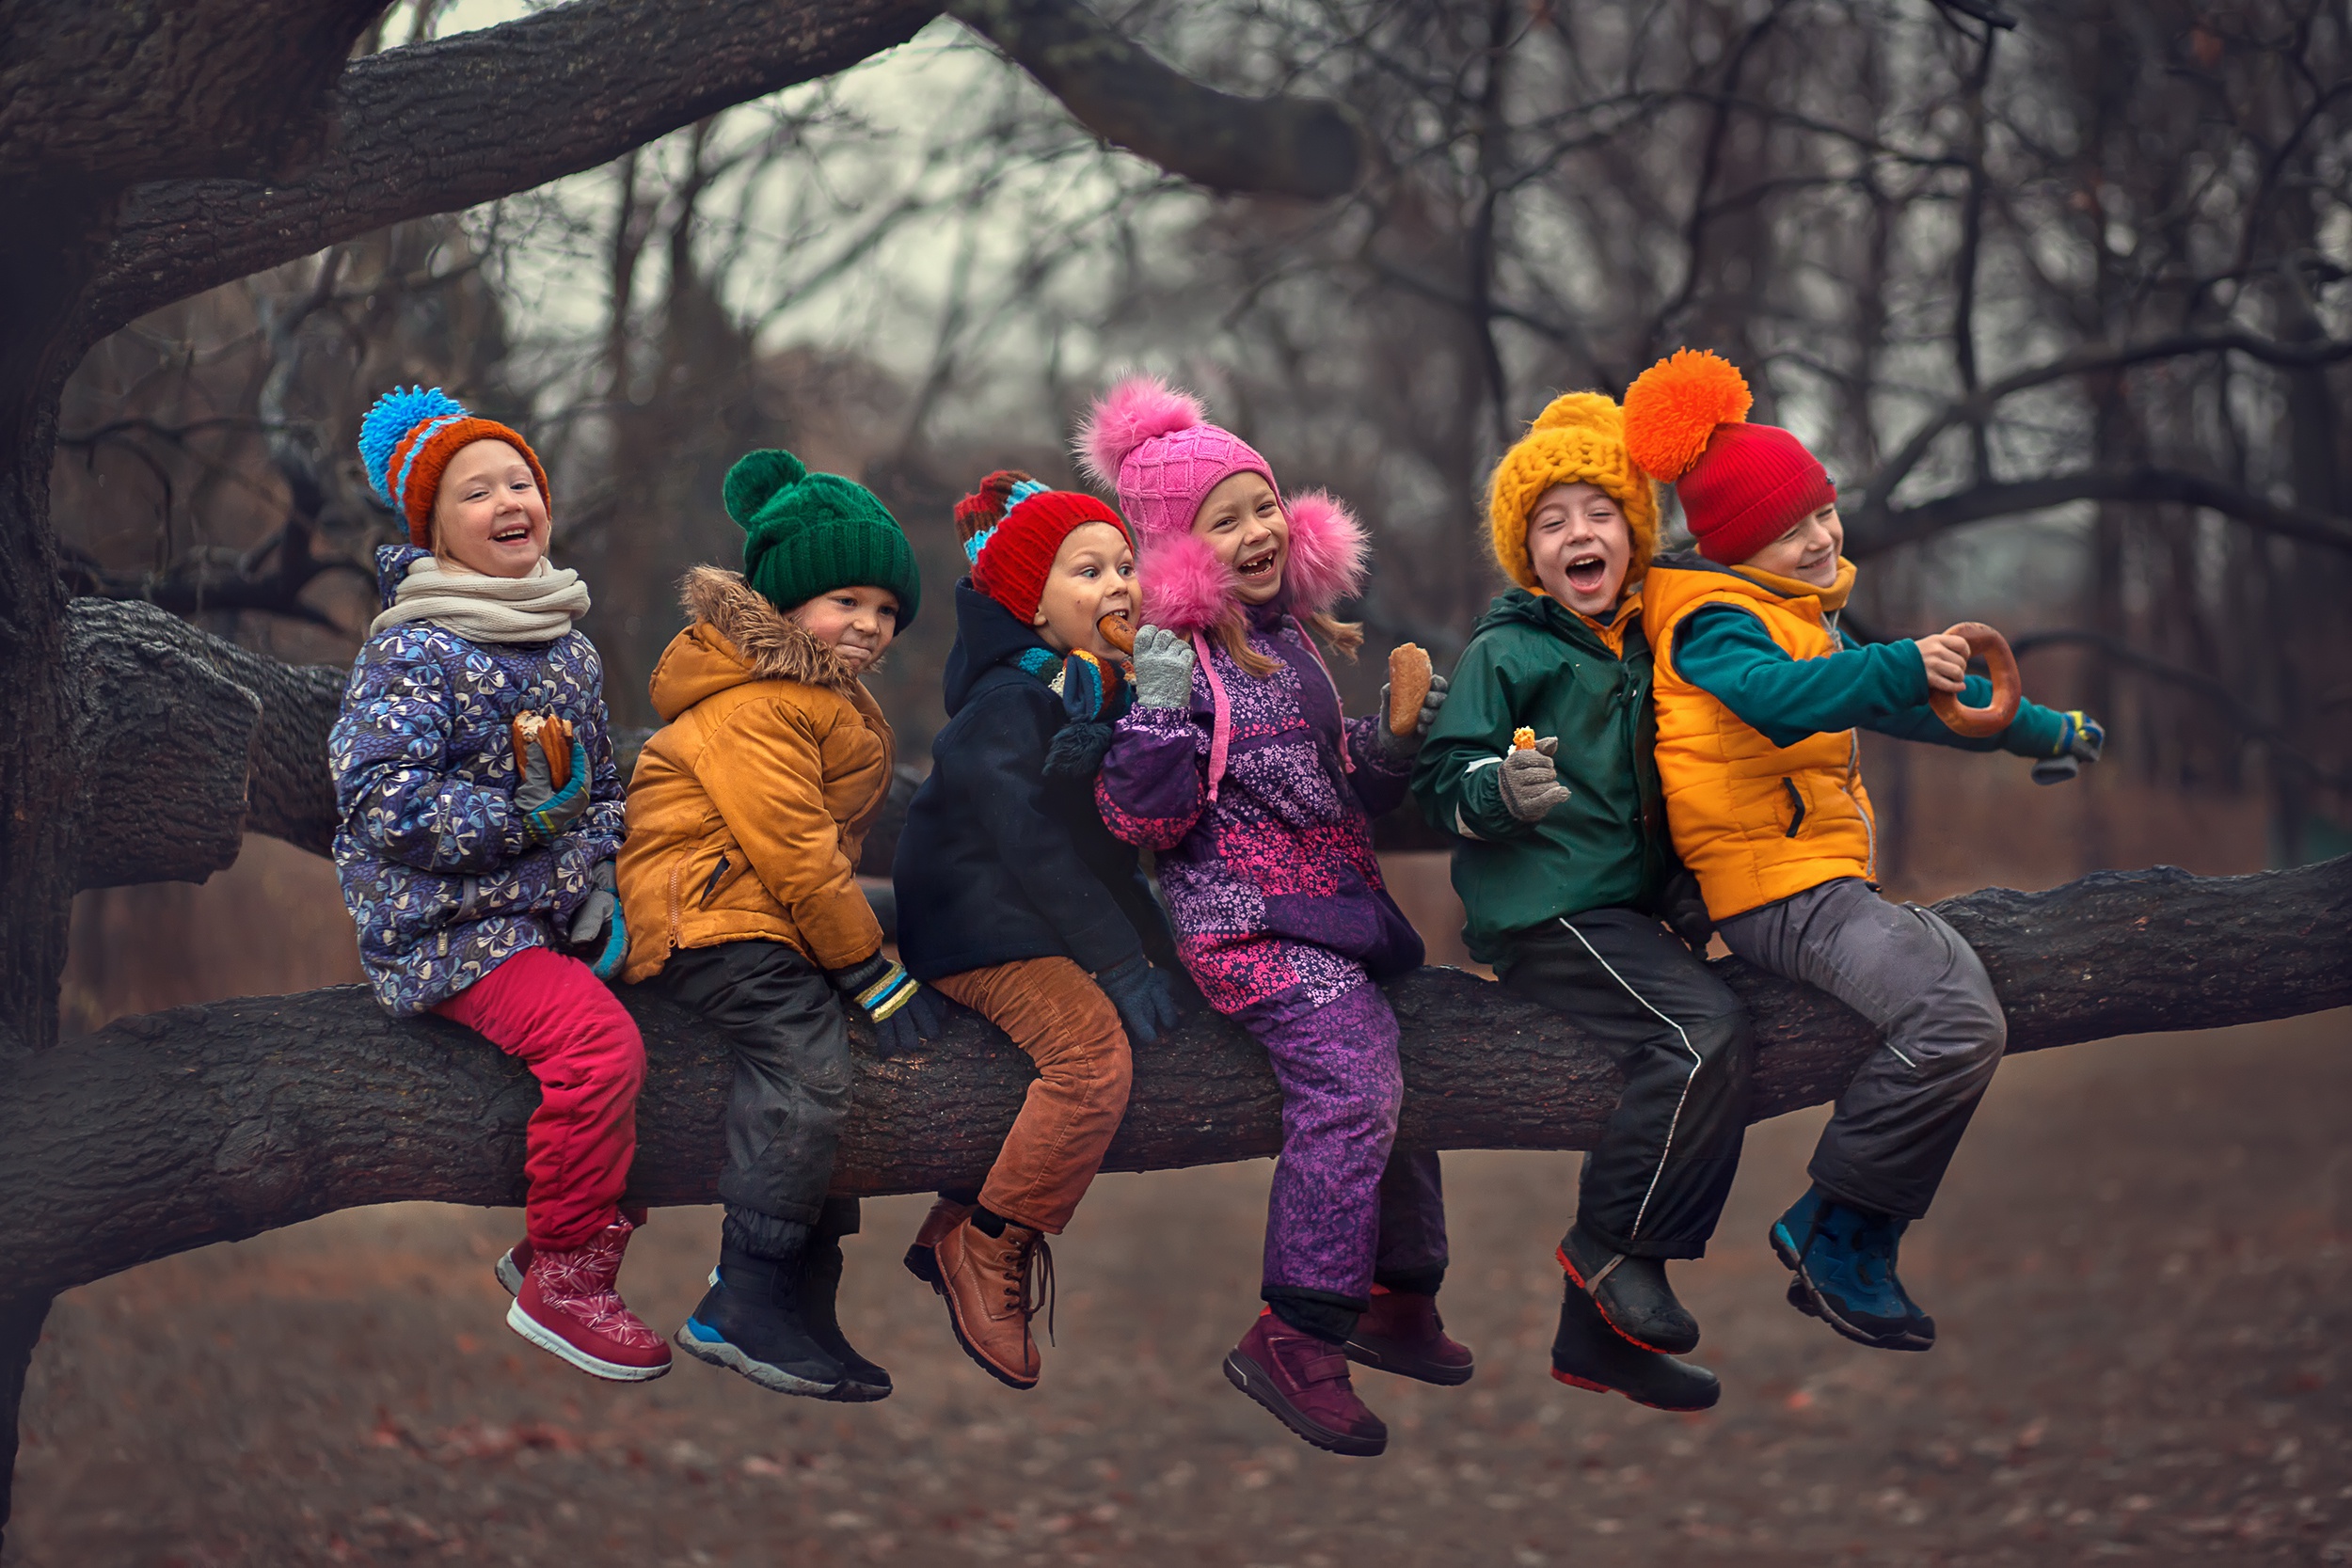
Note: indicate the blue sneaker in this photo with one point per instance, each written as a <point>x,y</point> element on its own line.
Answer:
<point>1844,1259</point>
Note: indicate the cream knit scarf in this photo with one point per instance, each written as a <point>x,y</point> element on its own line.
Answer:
<point>538,607</point>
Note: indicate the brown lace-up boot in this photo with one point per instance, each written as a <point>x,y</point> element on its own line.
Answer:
<point>993,1285</point>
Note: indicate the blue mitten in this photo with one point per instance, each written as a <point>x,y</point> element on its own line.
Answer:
<point>2082,741</point>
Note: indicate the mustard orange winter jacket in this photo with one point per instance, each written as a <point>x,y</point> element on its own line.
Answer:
<point>749,807</point>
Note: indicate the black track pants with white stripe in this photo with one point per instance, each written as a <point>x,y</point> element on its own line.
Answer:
<point>1655,1185</point>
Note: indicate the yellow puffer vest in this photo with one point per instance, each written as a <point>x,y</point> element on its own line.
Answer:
<point>1757,822</point>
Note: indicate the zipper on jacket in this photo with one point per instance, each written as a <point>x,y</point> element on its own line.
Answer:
<point>712,886</point>
<point>1870,828</point>
<point>676,869</point>
<point>1796,807</point>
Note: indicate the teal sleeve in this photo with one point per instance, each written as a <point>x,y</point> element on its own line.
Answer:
<point>1725,652</point>
<point>1457,779</point>
<point>2036,732</point>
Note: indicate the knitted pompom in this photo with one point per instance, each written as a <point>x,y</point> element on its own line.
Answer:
<point>756,479</point>
<point>1328,554</point>
<point>1673,408</point>
<point>388,421</point>
<point>1186,587</point>
<point>985,507</point>
<point>1124,418</point>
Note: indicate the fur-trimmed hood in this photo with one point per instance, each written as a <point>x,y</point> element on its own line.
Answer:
<point>738,636</point>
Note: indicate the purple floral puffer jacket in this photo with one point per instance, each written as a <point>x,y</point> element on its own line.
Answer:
<point>1273,884</point>
<point>436,863</point>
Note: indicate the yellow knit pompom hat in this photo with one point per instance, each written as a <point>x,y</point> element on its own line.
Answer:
<point>1578,440</point>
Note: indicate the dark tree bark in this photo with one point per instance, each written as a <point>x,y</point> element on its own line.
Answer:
<point>207,1124</point>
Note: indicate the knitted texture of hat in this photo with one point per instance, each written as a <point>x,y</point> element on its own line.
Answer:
<point>1742,485</point>
<point>1578,440</point>
<point>808,533</point>
<point>1153,447</point>
<point>1012,526</point>
<point>406,438</point>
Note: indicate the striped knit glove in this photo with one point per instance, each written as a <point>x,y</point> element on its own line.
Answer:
<point>904,1014</point>
<point>548,811</point>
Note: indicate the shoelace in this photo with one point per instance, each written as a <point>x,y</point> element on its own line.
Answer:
<point>1033,1282</point>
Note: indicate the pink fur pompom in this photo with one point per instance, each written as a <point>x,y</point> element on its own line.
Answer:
<point>1186,587</point>
<point>1328,554</point>
<point>1124,418</point>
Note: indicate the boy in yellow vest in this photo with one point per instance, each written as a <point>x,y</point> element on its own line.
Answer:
<point>1758,699</point>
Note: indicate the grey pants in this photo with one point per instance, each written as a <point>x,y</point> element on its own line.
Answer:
<point>792,1076</point>
<point>1922,987</point>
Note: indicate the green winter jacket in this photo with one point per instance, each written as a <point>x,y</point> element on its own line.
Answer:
<point>1533,662</point>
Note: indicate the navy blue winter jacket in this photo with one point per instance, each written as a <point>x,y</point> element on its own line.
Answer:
<point>998,862</point>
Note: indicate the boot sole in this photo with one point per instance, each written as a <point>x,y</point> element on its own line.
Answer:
<point>556,1345</point>
<point>718,1353</point>
<point>1561,1254</point>
<point>508,1274</point>
<point>1815,1305</point>
<point>1251,1379</point>
<point>1419,1371</point>
<point>1574,1382</point>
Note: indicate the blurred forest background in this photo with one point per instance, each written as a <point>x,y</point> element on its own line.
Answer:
<point>2061,292</point>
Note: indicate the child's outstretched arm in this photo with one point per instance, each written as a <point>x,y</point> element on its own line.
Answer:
<point>1154,784</point>
<point>389,754</point>
<point>2037,732</point>
<point>1725,651</point>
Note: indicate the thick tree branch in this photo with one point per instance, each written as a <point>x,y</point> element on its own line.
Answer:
<point>1279,145</point>
<point>186,743</point>
<point>1872,530</point>
<point>206,1124</point>
<point>441,126</point>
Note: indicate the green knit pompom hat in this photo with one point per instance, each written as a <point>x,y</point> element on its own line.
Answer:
<point>807,535</point>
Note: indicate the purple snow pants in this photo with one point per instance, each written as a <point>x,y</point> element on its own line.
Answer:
<point>1343,1212</point>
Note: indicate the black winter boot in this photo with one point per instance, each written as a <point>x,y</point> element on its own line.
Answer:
<point>753,1321</point>
<point>1590,1353</point>
<point>1631,1292</point>
<point>820,1277</point>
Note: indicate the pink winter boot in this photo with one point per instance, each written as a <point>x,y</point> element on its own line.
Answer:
<point>569,1306</point>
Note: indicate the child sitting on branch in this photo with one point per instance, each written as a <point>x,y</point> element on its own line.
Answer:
<point>481,814</point>
<point>1237,767</point>
<point>1759,697</point>
<point>1542,762</point>
<point>746,815</point>
<point>1015,901</point>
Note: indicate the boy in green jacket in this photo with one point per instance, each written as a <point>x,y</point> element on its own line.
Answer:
<point>1569,880</point>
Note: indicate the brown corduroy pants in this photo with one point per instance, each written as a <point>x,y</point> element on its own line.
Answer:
<point>1053,1010</point>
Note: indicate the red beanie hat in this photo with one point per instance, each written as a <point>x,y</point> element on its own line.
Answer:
<point>1742,485</point>
<point>1012,526</point>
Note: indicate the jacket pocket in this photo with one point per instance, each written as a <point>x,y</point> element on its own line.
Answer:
<point>1796,807</point>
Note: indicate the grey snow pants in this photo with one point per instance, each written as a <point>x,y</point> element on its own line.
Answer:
<point>1925,990</point>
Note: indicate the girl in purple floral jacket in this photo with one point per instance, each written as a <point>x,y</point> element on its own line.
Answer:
<point>1238,769</point>
<point>470,881</point>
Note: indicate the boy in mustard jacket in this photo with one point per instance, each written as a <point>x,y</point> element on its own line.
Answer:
<point>739,886</point>
<point>1758,699</point>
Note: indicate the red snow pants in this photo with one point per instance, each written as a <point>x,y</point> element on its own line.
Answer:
<point>582,1046</point>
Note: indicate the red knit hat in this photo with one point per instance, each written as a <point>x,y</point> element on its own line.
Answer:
<point>1012,526</point>
<point>1742,485</point>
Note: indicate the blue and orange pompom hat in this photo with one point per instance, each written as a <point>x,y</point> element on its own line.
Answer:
<point>407,440</point>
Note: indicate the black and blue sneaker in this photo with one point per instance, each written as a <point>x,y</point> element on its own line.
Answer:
<point>1844,1259</point>
<point>752,1322</point>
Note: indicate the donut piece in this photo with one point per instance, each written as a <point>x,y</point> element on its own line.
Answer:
<point>1979,723</point>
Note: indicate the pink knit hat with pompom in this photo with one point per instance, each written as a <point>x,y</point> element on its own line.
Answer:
<point>1154,448</point>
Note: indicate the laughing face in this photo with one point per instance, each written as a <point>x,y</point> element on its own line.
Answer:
<point>1579,541</point>
<point>489,515</point>
<point>1808,552</point>
<point>1242,521</point>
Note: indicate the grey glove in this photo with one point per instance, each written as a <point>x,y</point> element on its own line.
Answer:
<point>2083,740</point>
<point>1162,663</point>
<point>598,933</point>
<point>1407,745</point>
<point>1531,780</point>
